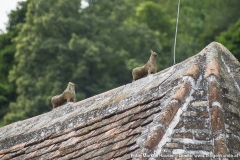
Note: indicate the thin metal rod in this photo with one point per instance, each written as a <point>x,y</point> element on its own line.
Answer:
<point>175,40</point>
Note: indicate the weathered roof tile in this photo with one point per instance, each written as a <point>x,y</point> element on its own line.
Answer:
<point>212,69</point>
<point>193,71</point>
<point>191,108</point>
<point>155,138</point>
<point>183,135</point>
<point>183,91</point>
<point>220,146</point>
<point>217,119</point>
<point>169,114</point>
<point>214,93</point>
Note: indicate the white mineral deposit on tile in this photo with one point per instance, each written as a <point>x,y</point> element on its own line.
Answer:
<point>70,125</point>
<point>189,113</point>
<point>173,101</point>
<point>190,141</point>
<point>229,71</point>
<point>206,153</point>
<point>200,103</point>
<point>112,109</point>
<point>199,80</point>
<point>221,136</point>
<point>187,101</point>
<point>212,78</point>
<point>153,128</point>
<point>42,134</point>
<point>189,79</point>
<point>217,104</point>
<point>57,129</point>
<point>178,151</point>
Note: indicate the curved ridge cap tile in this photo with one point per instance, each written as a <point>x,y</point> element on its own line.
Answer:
<point>193,71</point>
<point>218,46</point>
<point>169,114</point>
<point>217,119</point>
<point>212,68</point>
<point>154,139</point>
<point>215,94</point>
<point>221,49</point>
<point>220,145</point>
<point>183,91</point>
<point>212,64</point>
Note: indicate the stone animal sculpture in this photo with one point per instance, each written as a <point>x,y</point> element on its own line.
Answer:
<point>149,68</point>
<point>68,95</point>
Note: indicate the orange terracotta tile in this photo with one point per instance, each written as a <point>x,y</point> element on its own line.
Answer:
<point>5,157</point>
<point>217,119</point>
<point>220,147</point>
<point>183,91</point>
<point>155,138</point>
<point>212,68</point>
<point>5,151</point>
<point>169,114</point>
<point>214,94</point>
<point>68,144</point>
<point>18,147</point>
<point>193,71</point>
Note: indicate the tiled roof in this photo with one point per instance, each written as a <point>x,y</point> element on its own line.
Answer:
<point>189,109</point>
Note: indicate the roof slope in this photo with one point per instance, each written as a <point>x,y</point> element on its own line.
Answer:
<point>191,109</point>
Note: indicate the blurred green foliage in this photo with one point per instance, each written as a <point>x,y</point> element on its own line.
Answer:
<point>7,51</point>
<point>231,39</point>
<point>50,43</point>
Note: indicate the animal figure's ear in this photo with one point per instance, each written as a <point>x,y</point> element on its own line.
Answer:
<point>70,83</point>
<point>153,53</point>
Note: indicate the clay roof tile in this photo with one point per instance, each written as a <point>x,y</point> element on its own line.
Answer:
<point>191,108</point>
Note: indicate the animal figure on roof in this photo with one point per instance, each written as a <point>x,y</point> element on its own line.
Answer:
<point>149,68</point>
<point>68,95</point>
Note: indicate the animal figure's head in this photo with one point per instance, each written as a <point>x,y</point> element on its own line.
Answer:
<point>154,54</point>
<point>71,86</point>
